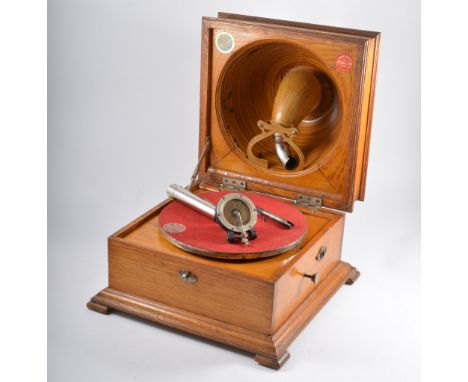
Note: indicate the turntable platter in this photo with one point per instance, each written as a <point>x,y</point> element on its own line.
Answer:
<point>194,232</point>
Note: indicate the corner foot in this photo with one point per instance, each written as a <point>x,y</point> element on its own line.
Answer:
<point>92,305</point>
<point>354,275</point>
<point>273,362</point>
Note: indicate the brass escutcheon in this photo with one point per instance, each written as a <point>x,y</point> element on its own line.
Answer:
<point>187,277</point>
<point>321,254</point>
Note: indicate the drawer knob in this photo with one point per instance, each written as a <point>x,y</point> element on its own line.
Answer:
<point>321,254</point>
<point>314,278</point>
<point>187,276</point>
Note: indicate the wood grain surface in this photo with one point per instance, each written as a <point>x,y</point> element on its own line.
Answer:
<point>262,305</point>
<point>270,350</point>
<point>238,88</point>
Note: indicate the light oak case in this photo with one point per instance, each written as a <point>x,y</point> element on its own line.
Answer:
<point>261,305</point>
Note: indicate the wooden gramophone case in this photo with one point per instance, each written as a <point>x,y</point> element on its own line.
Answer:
<point>259,305</point>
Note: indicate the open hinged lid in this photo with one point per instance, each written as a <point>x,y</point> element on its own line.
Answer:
<point>246,77</point>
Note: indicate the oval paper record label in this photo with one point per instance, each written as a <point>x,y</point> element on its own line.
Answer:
<point>203,236</point>
<point>173,227</point>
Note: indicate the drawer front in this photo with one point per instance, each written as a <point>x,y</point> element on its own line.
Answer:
<point>222,295</point>
<point>304,276</point>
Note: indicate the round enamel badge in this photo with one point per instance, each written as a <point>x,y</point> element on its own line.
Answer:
<point>344,62</point>
<point>224,42</point>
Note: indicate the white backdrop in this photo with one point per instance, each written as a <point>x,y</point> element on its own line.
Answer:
<point>122,75</point>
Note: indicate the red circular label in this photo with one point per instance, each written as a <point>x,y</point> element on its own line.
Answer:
<point>344,62</point>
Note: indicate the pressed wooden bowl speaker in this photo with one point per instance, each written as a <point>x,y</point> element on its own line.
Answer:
<point>249,89</point>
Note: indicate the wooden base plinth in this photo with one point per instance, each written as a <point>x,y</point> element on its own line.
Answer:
<point>272,362</point>
<point>98,307</point>
<point>353,277</point>
<point>269,350</point>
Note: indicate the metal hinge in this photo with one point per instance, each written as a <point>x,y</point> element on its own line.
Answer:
<point>313,202</point>
<point>233,184</point>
